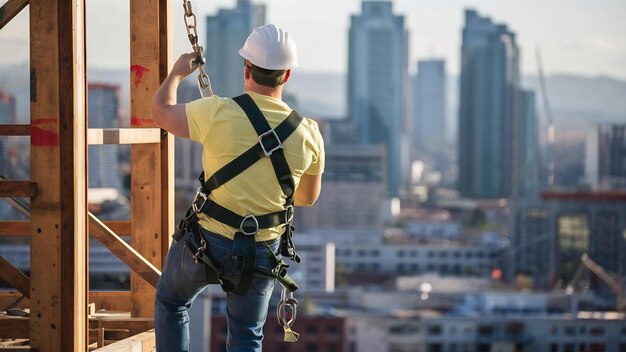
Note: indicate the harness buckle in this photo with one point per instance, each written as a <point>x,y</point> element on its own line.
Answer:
<point>248,228</point>
<point>289,214</point>
<point>199,195</point>
<point>197,257</point>
<point>268,151</point>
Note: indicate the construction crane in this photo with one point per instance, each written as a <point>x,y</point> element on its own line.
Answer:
<point>551,131</point>
<point>608,279</point>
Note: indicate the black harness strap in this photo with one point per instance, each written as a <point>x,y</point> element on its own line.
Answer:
<point>263,129</point>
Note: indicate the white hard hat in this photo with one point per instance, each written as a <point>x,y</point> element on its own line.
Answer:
<point>271,48</point>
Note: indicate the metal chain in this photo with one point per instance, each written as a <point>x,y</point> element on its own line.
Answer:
<point>190,24</point>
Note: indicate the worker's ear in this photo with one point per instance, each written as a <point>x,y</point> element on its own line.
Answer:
<point>246,72</point>
<point>287,75</point>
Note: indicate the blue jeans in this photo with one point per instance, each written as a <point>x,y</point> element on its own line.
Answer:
<point>183,279</point>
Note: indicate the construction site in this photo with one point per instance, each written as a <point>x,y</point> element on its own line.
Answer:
<point>53,309</point>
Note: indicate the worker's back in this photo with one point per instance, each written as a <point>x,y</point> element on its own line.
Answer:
<point>225,132</point>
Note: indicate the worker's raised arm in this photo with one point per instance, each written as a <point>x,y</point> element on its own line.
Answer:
<point>308,190</point>
<point>166,113</point>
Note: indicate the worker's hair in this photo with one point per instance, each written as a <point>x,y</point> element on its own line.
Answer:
<point>265,77</point>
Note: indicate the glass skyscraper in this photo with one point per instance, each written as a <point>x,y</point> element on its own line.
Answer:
<point>429,109</point>
<point>226,32</point>
<point>103,107</point>
<point>378,84</point>
<point>489,107</point>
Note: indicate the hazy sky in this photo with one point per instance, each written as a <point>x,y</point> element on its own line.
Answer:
<point>585,37</point>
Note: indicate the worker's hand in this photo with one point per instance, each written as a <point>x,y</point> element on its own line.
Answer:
<point>185,65</point>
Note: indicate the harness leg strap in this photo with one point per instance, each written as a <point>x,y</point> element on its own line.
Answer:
<point>249,261</point>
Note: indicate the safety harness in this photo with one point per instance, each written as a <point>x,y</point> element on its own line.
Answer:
<point>270,145</point>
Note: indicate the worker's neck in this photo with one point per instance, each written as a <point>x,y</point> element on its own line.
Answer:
<point>275,92</point>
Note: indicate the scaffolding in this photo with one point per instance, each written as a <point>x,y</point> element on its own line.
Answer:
<point>57,292</point>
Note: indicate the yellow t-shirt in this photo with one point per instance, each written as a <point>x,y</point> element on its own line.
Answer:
<point>225,132</point>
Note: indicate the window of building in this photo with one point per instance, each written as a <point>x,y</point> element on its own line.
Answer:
<point>596,331</point>
<point>434,347</point>
<point>333,347</point>
<point>434,330</point>
<point>347,252</point>
<point>622,347</point>
<point>375,253</point>
<point>569,347</point>
<point>569,331</point>
<point>554,330</point>
<point>554,347</point>
<point>485,330</point>
<point>413,254</point>
<point>431,254</point>
<point>597,347</point>
<point>332,330</point>
<point>361,253</point>
<point>400,254</point>
<point>456,254</point>
<point>311,347</point>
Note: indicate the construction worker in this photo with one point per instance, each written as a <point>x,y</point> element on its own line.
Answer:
<point>257,203</point>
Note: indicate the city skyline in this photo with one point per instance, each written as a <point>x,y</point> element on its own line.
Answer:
<point>586,38</point>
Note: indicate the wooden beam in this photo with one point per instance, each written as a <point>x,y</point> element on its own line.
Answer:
<point>18,189</point>
<point>14,277</point>
<point>16,228</point>
<point>123,135</point>
<point>122,250</point>
<point>167,144</point>
<point>14,130</point>
<point>14,327</point>
<point>134,325</point>
<point>59,241</point>
<point>16,349</point>
<point>110,300</point>
<point>10,9</point>
<point>142,342</point>
<point>14,299</point>
<point>149,49</point>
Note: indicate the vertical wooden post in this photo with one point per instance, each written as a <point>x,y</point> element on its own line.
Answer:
<point>151,178</point>
<point>58,320</point>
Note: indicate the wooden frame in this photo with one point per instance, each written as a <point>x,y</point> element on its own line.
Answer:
<point>57,291</point>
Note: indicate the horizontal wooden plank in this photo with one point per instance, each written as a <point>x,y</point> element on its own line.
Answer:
<point>15,348</point>
<point>10,9</point>
<point>17,228</point>
<point>110,300</point>
<point>123,251</point>
<point>123,135</point>
<point>13,299</point>
<point>142,342</point>
<point>13,327</point>
<point>17,189</point>
<point>17,327</point>
<point>15,130</point>
<point>134,325</point>
<point>14,277</point>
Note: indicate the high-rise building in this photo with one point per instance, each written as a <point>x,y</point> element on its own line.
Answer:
<point>526,170</point>
<point>103,112</point>
<point>226,33</point>
<point>549,237</point>
<point>429,109</point>
<point>378,84</point>
<point>605,157</point>
<point>488,108</point>
<point>8,115</point>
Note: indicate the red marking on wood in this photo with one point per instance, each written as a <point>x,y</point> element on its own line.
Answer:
<point>138,71</point>
<point>43,133</point>
<point>139,122</point>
